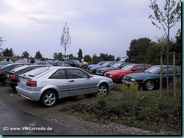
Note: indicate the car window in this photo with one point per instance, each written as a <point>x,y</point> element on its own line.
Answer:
<point>59,74</point>
<point>27,70</point>
<point>37,71</point>
<point>11,67</point>
<point>76,74</point>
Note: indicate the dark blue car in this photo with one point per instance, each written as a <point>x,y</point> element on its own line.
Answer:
<point>150,78</point>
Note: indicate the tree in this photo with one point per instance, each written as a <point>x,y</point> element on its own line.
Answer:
<point>58,56</point>
<point>80,54</point>
<point>88,58</point>
<point>138,49</point>
<point>25,54</point>
<point>38,55</point>
<point>95,59</point>
<point>165,18</point>
<point>70,56</point>
<point>106,57</point>
<point>8,52</point>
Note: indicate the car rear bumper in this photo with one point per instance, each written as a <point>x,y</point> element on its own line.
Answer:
<point>28,94</point>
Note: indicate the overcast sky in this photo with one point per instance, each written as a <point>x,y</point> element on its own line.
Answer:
<point>95,25</point>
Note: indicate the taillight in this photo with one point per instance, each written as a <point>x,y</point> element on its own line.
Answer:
<point>13,77</point>
<point>31,83</point>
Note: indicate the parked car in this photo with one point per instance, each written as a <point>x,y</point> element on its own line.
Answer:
<point>94,65</point>
<point>150,78</point>
<point>115,66</point>
<point>105,64</point>
<point>5,70</point>
<point>73,63</point>
<point>52,83</point>
<point>14,74</point>
<point>4,63</point>
<point>117,75</point>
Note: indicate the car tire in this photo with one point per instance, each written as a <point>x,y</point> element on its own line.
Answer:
<point>150,85</point>
<point>103,89</point>
<point>49,98</point>
<point>13,88</point>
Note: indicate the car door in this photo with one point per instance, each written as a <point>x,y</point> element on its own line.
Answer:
<point>79,82</point>
<point>59,80</point>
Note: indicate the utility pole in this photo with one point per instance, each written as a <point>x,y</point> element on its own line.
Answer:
<point>65,39</point>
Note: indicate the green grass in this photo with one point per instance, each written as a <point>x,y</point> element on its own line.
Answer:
<point>147,110</point>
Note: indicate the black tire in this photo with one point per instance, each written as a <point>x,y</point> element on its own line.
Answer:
<point>49,98</point>
<point>13,88</point>
<point>103,89</point>
<point>150,85</point>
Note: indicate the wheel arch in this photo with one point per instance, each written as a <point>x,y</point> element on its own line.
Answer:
<point>103,82</point>
<point>53,88</point>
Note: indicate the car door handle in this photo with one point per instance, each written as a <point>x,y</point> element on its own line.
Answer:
<point>71,81</point>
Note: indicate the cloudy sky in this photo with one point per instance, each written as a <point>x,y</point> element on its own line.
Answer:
<point>95,25</point>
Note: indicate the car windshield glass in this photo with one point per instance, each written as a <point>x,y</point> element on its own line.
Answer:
<point>100,63</point>
<point>128,67</point>
<point>107,64</point>
<point>154,69</point>
<point>116,65</point>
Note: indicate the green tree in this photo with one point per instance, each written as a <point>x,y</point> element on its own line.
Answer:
<point>70,56</point>
<point>8,52</point>
<point>58,56</point>
<point>138,49</point>
<point>25,54</point>
<point>106,57</point>
<point>38,55</point>
<point>88,58</point>
<point>95,59</point>
<point>80,54</point>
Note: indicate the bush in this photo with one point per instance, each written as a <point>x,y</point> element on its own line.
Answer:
<point>148,110</point>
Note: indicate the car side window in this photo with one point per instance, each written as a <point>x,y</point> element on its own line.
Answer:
<point>59,74</point>
<point>76,74</point>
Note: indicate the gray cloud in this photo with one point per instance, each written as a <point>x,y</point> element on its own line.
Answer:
<point>96,26</point>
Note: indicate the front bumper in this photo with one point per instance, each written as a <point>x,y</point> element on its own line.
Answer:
<point>29,94</point>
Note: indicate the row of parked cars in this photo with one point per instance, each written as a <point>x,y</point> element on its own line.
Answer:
<point>47,83</point>
<point>146,76</point>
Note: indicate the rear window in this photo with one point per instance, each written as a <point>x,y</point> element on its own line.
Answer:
<point>37,72</point>
<point>11,67</point>
<point>27,70</point>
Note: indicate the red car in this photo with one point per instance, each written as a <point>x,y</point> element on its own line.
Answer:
<point>117,75</point>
